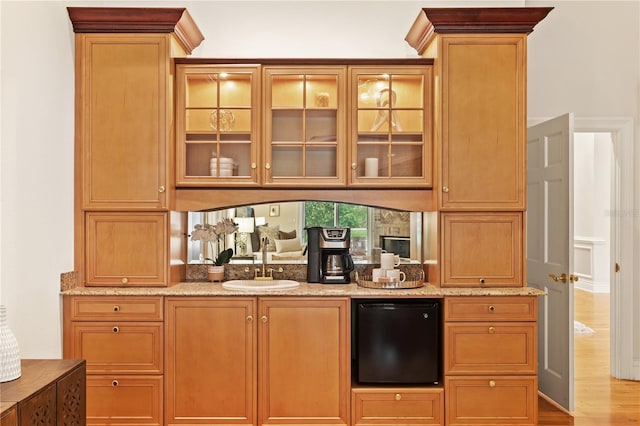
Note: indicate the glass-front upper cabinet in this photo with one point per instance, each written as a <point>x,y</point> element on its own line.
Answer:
<point>304,126</point>
<point>217,125</point>
<point>391,126</point>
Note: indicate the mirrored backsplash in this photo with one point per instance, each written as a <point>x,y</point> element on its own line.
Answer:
<point>283,226</point>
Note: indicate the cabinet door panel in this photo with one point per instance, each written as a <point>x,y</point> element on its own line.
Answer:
<point>304,375</point>
<point>124,85</point>
<point>211,361</point>
<point>483,122</point>
<point>217,121</point>
<point>391,134</point>
<point>304,126</point>
<point>124,400</point>
<point>40,409</point>
<point>126,249</point>
<point>481,249</point>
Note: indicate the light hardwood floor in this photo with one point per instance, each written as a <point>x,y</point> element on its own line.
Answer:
<point>600,399</point>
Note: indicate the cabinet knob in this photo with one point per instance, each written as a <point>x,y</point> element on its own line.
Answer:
<point>492,308</point>
<point>162,189</point>
<point>492,383</point>
<point>263,318</point>
<point>114,383</point>
<point>125,280</point>
<point>354,166</point>
<point>492,330</point>
<point>398,397</point>
<point>267,166</point>
<point>116,308</point>
<point>116,329</point>
<point>482,281</point>
<point>254,165</point>
<point>249,318</point>
<point>445,189</point>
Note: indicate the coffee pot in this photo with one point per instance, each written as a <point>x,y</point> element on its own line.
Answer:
<point>328,258</point>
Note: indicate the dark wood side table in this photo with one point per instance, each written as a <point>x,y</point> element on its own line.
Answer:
<point>49,392</point>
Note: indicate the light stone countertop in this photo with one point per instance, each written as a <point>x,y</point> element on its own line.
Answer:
<point>305,289</point>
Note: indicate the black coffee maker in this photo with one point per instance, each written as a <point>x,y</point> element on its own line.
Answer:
<point>328,258</point>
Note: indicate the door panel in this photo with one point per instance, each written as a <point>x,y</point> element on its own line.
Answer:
<point>549,251</point>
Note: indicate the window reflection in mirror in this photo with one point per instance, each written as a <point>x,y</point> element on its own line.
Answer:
<point>284,225</point>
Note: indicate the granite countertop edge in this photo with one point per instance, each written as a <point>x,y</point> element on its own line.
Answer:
<point>305,289</point>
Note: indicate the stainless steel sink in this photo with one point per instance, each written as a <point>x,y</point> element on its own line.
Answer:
<point>259,284</point>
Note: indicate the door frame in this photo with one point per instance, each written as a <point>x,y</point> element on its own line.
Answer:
<point>623,363</point>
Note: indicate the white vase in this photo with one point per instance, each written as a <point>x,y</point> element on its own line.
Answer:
<point>9,351</point>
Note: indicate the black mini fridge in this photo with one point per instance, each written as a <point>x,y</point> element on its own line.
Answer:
<point>397,342</point>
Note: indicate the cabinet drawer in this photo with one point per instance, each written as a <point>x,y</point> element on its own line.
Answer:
<point>498,308</point>
<point>129,308</point>
<point>491,400</point>
<point>496,348</point>
<point>384,406</point>
<point>124,400</point>
<point>126,347</point>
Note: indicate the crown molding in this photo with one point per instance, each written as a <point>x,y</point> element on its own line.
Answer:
<point>138,20</point>
<point>475,20</point>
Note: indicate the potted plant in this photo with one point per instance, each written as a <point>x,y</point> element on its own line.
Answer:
<point>216,235</point>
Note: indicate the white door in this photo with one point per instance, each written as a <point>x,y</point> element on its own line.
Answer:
<point>550,252</point>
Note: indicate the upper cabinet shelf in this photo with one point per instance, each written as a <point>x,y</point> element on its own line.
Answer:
<point>314,123</point>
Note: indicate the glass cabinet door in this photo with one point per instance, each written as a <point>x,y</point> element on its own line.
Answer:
<point>217,125</point>
<point>391,126</point>
<point>304,126</point>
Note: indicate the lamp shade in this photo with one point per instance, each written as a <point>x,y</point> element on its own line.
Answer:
<point>245,224</point>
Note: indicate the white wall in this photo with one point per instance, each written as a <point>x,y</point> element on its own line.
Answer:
<point>37,104</point>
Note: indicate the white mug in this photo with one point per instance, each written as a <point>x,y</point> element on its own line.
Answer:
<point>376,273</point>
<point>389,260</point>
<point>396,275</point>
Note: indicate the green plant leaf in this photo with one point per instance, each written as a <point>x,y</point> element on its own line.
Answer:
<point>224,257</point>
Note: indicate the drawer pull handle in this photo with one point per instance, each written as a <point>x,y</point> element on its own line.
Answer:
<point>114,383</point>
<point>482,281</point>
<point>116,308</point>
<point>492,383</point>
<point>492,308</point>
<point>263,318</point>
<point>398,397</point>
<point>116,329</point>
<point>492,330</point>
<point>249,318</point>
<point>125,280</point>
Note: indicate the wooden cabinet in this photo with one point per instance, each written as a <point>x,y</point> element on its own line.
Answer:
<point>391,406</point>
<point>211,359</point>
<point>303,374</point>
<point>123,135</point>
<point>320,122</point>
<point>270,360</point>
<point>490,353</point>
<point>482,249</point>
<point>304,126</point>
<point>217,124</point>
<point>122,341</point>
<point>391,126</point>
<point>49,392</point>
